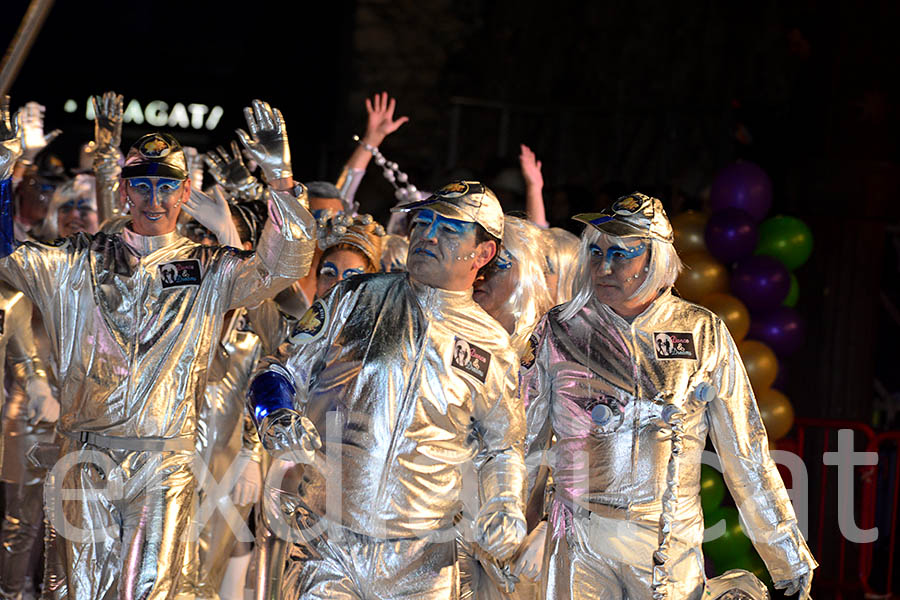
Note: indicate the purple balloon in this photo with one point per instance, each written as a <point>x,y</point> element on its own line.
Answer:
<point>742,185</point>
<point>781,329</point>
<point>761,282</point>
<point>730,235</point>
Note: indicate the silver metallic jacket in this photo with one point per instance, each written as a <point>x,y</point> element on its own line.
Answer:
<point>134,318</point>
<point>19,353</point>
<point>610,388</point>
<point>423,380</point>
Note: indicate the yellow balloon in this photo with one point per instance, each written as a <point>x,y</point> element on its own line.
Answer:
<point>776,412</point>
<point>689,228</point>
<point>732,311</point>
<point>702,275</point>
<point>760,362</point>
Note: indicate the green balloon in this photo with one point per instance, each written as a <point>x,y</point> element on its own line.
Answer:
<point>712,488</point>
<point>730,543</point>
<point>793,293</point>
<point>786,238</point>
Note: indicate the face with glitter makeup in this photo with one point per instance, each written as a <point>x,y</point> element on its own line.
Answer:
<point>336,266</point>
<point>494,289</point>
<point>444,252</point>
<point>617,271</point>
<point>155,203</point>
<point>78,214</point>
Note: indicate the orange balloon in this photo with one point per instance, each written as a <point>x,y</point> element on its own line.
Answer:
<point>732,311</point>
<point>776,412</point>
<point>689,228</point>
<point>702,275</point>
<point>760,362</point>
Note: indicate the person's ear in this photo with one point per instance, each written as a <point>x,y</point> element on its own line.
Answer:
<point>185,192</point>
<point>484,252</point>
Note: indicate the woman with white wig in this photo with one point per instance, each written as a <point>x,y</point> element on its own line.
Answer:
<point>630,379</point>
<point>73,208</point>
<point>561,249</point>
<point>514,291</point>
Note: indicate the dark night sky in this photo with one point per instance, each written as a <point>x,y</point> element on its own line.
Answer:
<point>189,52</point>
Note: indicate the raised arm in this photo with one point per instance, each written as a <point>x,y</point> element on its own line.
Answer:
<point>107,155</point>
<point>380,124</point>
<point>534,186</point>
<point>31,268</point>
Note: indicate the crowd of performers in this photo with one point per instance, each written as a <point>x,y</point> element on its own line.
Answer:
<point>254,389</point>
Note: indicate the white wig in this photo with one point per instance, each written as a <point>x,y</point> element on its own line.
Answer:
<point>561,249</point>
<point>83,186</point>
<point>393,253</point>
<point>664,267</point>
<point>531,299</point>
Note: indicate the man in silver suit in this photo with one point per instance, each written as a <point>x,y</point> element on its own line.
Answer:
<point>133,317</point>
<point>632,379</point>
<point>385,389</point>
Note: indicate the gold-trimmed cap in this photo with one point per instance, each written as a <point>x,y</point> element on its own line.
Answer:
<point>634,215</point>
<point>468,201</point>
<point>155,155</point>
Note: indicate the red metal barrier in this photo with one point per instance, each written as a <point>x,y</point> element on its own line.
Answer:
<point>838,573</point>
<point>886,584</point>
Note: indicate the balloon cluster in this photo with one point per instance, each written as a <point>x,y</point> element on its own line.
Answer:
<point>740,264</point>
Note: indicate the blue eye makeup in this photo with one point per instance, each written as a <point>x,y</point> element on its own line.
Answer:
<point>617,254</point>
<point>504,261</point>
<point>328,269</point>
<point>164,187</point>
<point>436,223</point>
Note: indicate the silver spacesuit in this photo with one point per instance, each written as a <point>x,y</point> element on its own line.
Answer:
<point>226,440</point>
<point>405,383</point>
<point>134,319</point>
<point>631,403</point>
<point>22,480</point>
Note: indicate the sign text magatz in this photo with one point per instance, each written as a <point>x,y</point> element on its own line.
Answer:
<point>159,113</point>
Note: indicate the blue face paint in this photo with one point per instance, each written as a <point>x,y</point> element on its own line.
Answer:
<point>431,224</point>
<point>504,261</point>
<point>158,189</point>
<point>83,206</point>
<point>616,255</point>
<point>329,269</point>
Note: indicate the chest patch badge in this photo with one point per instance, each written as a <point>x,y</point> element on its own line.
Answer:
<point>311,324</point>
<point>674,345</point>
<point>470,359</point>
<point>180,272</point>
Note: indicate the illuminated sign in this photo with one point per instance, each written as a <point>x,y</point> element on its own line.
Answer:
<point>158,114</point>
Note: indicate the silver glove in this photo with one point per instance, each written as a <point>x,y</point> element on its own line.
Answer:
<point>11,134</point>
<point>107,138</point>
<point>231,173</point>
<point>267,142</point>
<point>499,532</point>
<point>801,584</point>
<point>108,119</point>
<point>290,435</point>
<point>34,139</point>
<point>214,214</point>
